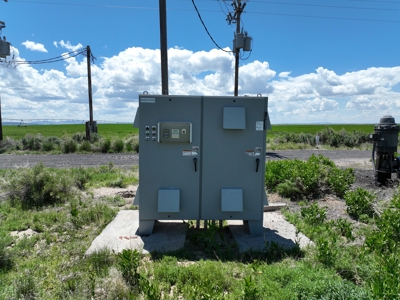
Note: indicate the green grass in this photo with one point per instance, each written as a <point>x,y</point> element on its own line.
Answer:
<point>350,260</point>
<point>105,130</point>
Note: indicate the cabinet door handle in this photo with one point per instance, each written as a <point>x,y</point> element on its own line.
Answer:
<point>195,164</point>
<point>257,164</point>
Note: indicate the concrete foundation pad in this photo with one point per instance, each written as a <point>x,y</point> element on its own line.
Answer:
<point>276,229</point>
<point>122,233</point>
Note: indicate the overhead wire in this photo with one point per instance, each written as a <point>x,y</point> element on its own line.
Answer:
<point>53,59</point>
<point>251,12</point>
<point>205,27</point>
<point>319,17</point>
<point>327,6</point>
<point>50,60</point>
<point>14,63</point>
<point>366,1</point>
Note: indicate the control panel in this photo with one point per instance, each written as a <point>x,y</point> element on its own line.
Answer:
<point>174,132</point>
<point>151,133</point>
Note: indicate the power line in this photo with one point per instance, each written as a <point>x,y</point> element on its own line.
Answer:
<point>205,27</point>
<point>366,1</point>
<point>328,6</point>
<point>249,12</point>
<point>52,60</point>
<point>320,17</point>
<point>13,63</point>
<point>80,4</point>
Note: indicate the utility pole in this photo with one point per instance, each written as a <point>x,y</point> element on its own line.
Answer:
<point>238,11</point>
<point>2,25</point>
<point>163,47</point>
<point>241,40</point>
<point>89,127</point>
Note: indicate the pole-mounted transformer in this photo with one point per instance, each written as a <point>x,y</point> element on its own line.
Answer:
<point>242,41</point>
<point>4,45</point>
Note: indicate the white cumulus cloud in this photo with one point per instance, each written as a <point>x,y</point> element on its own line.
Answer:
<point>67,45</point>
<point>284,74</point>
<point>321,96</point>
<point>34,46</point>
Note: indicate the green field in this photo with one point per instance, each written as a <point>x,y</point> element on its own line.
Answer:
<point>105,130</point>
<point>124,130</point>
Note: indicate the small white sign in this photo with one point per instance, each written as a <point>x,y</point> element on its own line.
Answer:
<point>195,150</point>
<point>259,125</point>
<point>147,100</point>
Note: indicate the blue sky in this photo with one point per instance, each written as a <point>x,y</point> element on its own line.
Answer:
<point>318,61</point>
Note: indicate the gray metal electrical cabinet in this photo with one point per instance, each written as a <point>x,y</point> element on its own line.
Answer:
<point>201,158</point>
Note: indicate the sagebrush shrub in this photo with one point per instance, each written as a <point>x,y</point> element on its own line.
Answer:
<point>85,146</point>
<point>47,146</point>
<point>94,137</point>
<point>38,186</point>
<point>118,145</point>
<point>8,144</point>
<point>70,146</point>
<point>51,142</point>
<point>333,138</point>
<point>132,144</point>
<point>31,142</point>
<point>83,215</point>
<point>119,182</point>
<point>327,136</point>
<point>105,146</point>
<point>81,177</point>
<point>55,140</point>
<point>79,137</point>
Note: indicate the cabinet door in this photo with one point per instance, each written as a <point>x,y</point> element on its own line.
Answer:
<point>233,158</point>
<point>169,160</point>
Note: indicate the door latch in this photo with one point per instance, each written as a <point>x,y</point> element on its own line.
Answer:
<point>195,164</point>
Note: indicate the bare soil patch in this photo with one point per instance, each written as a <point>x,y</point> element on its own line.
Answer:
<point>127,194</point>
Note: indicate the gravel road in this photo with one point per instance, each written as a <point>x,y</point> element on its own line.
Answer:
<point>341,157</point>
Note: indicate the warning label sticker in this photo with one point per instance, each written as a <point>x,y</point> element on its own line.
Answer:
<point>259,125</point>
<point>187,152</point>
